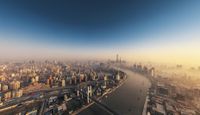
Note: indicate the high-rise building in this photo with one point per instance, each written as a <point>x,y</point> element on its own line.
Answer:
<point>13,93</point>
<point>74,79</point>
<point>105,81</point>
<point>78,93</point>
<point>81,77</point>
<point>48,81</point>
<point>89,93</point>
<point>15,85</point>
<point>33,80</point>
<point>7,95</point>
<point>2,78</point>
<point>86,78</point>
<point>4,87</point>
<point>117,58</point>
<point>37,78</point>
<point>19,93</point>
<point>118,77</point>
<point>63,83</point>
<point>152,72</point>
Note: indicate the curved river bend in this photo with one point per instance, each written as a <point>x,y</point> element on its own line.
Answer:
<point>128,99</point>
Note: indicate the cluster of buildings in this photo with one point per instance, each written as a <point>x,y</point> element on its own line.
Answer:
<point>169,95</point>
<point>101,82</point>
<point>28,79</point>
<point>149,71</point>
<point>9,89</point>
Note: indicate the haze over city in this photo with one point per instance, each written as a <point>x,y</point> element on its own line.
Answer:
<point>99,57</point>
<point>158,31</point>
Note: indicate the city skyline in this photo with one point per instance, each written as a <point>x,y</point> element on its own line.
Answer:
<point>100,57</point>
<point>166,31</point>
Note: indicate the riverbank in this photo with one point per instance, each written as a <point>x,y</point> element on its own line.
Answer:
<point>128,99</point>
<point>99,98</point>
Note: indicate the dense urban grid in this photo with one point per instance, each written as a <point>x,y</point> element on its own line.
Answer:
<point>52,87</point>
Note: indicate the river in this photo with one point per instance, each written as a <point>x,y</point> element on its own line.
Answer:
<point>128,99</point>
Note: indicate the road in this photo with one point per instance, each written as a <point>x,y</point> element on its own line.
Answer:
<point>6,108</point>
<point>45,91</point>
<point>126,100</point>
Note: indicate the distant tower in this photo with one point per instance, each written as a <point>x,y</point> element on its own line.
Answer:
<point>152,72</point>
<point>117,58</point>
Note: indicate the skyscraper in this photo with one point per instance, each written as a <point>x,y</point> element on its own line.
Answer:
<point>117,58</point>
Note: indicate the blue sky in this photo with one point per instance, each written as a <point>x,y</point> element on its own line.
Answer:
<point>102,26</point>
